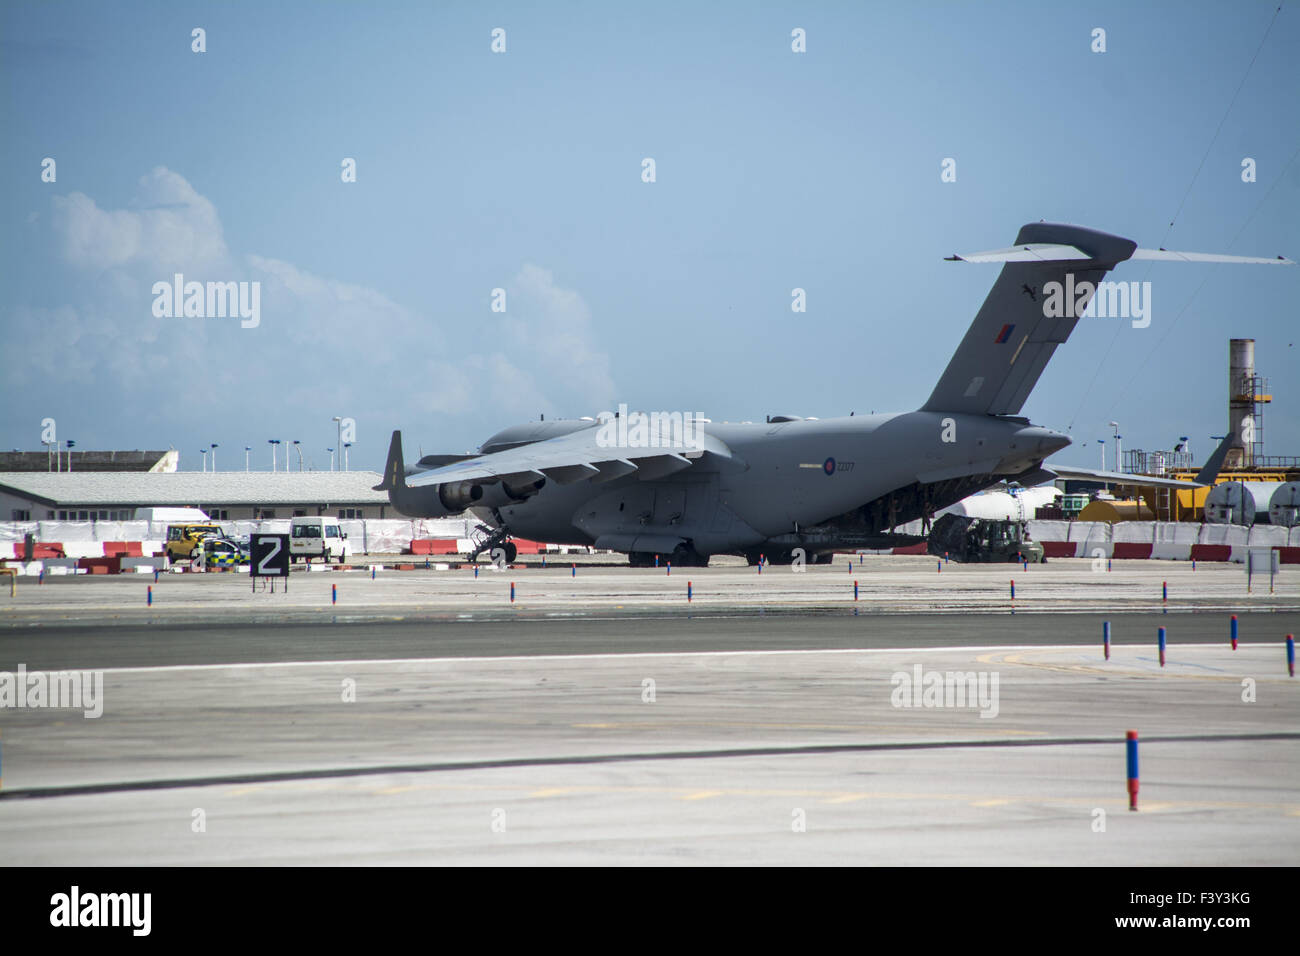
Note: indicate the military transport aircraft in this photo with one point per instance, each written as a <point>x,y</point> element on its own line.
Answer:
<point>683,488</point>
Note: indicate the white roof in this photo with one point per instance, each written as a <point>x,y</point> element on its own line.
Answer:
<point>181,488</point>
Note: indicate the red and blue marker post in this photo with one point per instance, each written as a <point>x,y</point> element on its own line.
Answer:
<point>334,594</point>
<point>1234,632</point>
<point>855,590</point>
<point>149,596</point>
<point>1290,654</point>
<point>688,592</point>
<point>512,592</point>
<point>1105,638</point>
<point>1161,640</point>
<point>1131,746</point>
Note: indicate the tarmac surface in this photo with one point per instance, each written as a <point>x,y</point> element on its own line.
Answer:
<point>609,722</point>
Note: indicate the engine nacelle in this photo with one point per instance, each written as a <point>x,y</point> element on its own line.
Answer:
<point>502,493</point>
<point>456,496</point>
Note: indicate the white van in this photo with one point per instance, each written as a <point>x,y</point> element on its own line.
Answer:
<point>317,538</point>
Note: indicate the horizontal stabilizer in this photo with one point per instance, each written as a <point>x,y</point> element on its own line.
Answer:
<point>1166,255</point>
<point>1033,252</point>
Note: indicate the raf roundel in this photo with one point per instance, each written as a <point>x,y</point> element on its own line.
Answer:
<point>828,466</point>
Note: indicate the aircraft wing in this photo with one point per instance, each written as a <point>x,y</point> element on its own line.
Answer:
<point>579,455</point>
<point>1116,477</point>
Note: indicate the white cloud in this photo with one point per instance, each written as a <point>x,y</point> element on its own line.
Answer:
<point>553,325</point>
<point>174,227</point>
<point>321,341</point>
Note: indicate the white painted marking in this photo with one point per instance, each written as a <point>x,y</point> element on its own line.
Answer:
<point>646,655</point>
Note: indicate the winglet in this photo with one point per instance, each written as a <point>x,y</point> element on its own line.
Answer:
<point>394,474</point>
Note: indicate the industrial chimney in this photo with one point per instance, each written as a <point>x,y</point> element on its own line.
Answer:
<point>1244,404</point>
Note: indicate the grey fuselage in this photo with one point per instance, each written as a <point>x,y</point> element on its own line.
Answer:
<point>821,484</point>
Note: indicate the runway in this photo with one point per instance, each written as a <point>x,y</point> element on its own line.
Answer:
<point>734,736</point>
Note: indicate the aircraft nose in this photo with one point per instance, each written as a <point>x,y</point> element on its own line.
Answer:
<point>1051,442</point>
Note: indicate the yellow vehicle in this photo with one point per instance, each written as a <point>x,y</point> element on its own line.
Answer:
<point>182,539</point>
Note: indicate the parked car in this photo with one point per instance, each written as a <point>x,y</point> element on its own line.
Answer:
<point>317,538</point>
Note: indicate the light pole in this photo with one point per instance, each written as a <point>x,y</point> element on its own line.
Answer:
<point>338,421</point>
<point>331,451</point>
<point>1119,461</point>
<point>70,443</point>
<point>273,442</point>
<point>213,446</point>
<point>346,446</point>
<point>1102,443</point>
<point>247,451</point>
<point>204,453</point>
<point>297,446</point>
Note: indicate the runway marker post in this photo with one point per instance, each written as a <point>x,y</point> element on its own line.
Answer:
<point>149,596</point>
<point>512,592</point>
<point>855,590</point>
<point>1161,640</point>
<point>334,594</point>
<point>670,568</point>
<point>939,568</point>
<point>688,592</point>
<point>1105,638</point>
<point>1013,589</point>
<point>1234,632</point>
<point>1290,654</point>
<point>1131,747</point>
<point>475,572</point>
<point>575,570</point>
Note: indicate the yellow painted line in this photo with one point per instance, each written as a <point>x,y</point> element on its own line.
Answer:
<point>552,792</point>
<point>990,803</point>
<point>703,795</point>
<point>243,791</point>
<point>846,798</point>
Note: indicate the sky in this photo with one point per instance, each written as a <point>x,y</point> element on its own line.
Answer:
<point>523,171</point>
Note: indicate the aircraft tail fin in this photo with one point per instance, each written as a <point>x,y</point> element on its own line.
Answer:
<point>1214,463</point>
<point>395,467</point>
<point>1012,337</point>
<point>1021,323</point>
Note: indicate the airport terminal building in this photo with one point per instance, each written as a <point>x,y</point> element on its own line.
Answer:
<point>225,496</point>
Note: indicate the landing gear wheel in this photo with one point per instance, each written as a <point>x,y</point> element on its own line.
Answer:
<point>511,550</point>
<point>684,556</point>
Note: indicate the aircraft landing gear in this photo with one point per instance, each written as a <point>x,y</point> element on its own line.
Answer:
<point>489,539</point>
